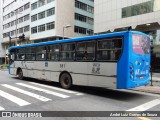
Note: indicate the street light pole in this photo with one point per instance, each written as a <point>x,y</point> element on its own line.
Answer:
<point>67,26</point>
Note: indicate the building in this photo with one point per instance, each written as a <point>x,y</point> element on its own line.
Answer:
<point>15,21</point>
<point>118,15</point>
<point>2,52</point>
<point>44,20</point>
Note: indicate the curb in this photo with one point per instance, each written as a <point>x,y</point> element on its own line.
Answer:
<point>3,69</point>
<point>148,91</point>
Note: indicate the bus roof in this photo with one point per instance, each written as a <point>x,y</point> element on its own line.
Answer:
<point>114,34</point>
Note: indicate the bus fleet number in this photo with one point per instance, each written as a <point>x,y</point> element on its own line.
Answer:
<point>62,65</point>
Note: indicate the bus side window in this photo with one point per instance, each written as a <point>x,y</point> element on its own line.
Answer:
<point>68,51</point>
<point>21,54</point>
<point>86,51</point>
<point>109,53</point>
<point>30,53</point>
<point>53,52</point>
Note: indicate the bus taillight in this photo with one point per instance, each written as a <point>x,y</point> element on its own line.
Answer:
<point>131,72</point>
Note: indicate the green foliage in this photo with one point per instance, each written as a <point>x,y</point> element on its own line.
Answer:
<point>4,65</point>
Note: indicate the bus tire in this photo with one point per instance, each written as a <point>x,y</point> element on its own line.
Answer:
<point>20,74</point>
<point>65,81</point>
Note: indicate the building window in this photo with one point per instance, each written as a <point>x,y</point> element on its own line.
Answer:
<point>8,25</point>
<point>50,11</point>
<point>26,28</point>
<point>9,15</point>
<point>34,6</point>
<point>80,30</point>
<point>20,9</point>
<point>33,18</point>
<point>12,32</point>
<point>50,26</point>
<point>41,3</point>
<point>138,9</point>
<point>90,32</point>
<point>26,17</point>
<point>41,15</point>
<point>26,6</point>
<point>20,30</point>
<point>41,28</point>
<point>90,9</point>
<point>21,20</point>
<point>81,5</point>
<point>48,1</point>
<point>90,20</point>
<point>80,17</point>
<point>12,14</point>
<point>34,30</point>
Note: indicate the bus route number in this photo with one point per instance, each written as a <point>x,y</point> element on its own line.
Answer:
<point>62,65</point>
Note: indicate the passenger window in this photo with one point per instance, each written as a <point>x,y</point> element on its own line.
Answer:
<point>13,54</point>
<point>41,53</point>
<point>109,49</point>
<point>53,52</point>
<point>85,51</point>
<point>21,54</point>
<point>30,53</point>
<point>68,51</point>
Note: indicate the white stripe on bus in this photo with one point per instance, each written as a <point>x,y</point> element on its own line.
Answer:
<point>1,108</point>
<point>44,99</point>
<point>14,99</point>
<point>43,90</point>
<point>54,88</point>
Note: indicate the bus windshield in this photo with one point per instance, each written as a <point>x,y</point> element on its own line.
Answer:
<point>141,44</point>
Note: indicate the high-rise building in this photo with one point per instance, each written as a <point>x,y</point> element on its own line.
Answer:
<point>45,20</point>
<point>118,15</point>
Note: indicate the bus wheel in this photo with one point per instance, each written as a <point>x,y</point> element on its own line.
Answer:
<point>20,74</point>
<point>65,81</point>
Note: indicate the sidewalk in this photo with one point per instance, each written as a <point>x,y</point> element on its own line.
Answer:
<point>148,89</point>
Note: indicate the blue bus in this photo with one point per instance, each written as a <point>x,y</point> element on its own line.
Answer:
<point>119,60</point>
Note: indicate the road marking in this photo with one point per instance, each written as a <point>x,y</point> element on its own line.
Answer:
<point>146,106</point>
<point>44,99</point>
<point>14,99</point>
<point>144,118</point>
<point>79,94</point>
<point>1,108</point>
<point>43,90</point>
<point>55,88</point>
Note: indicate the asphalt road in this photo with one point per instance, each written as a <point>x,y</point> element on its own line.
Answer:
<point>35,95</point>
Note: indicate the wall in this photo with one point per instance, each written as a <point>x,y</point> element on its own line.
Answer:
<point>65,16</point>
<point>108,15</point>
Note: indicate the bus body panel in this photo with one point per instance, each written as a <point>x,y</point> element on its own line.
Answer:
<point>122,66</point>
<point>95,74</point>
<point>114,74</point>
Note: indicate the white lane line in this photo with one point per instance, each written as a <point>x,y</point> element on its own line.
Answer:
<point>1,108</point>
<point>44,99</point>
<point>54,88</point>
<point>146,106</point>
<point>43,90</point>
<point>79,94</point>
<point>14,99</point>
